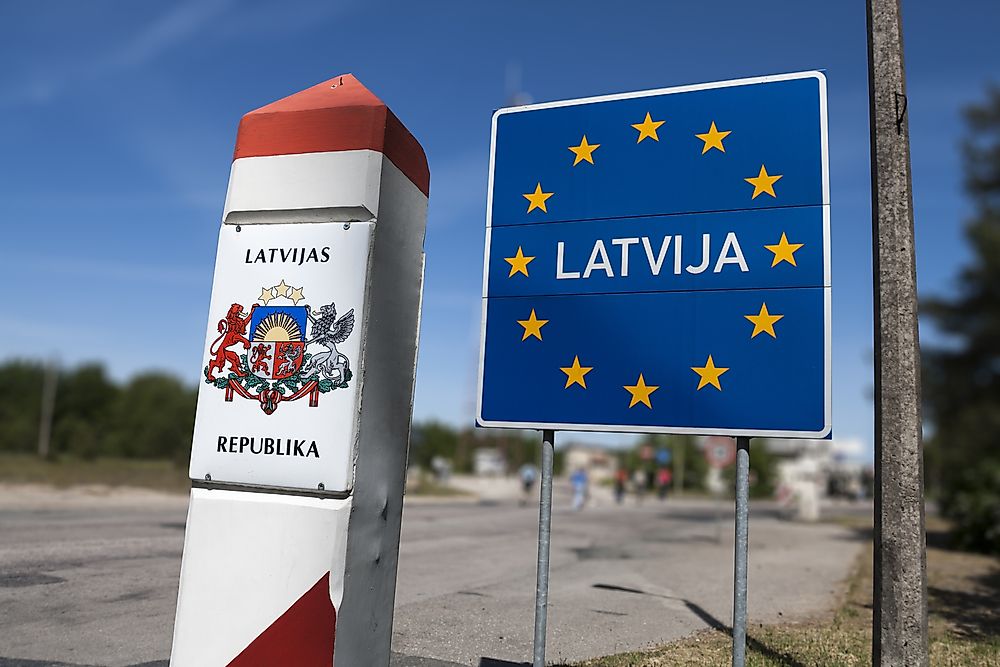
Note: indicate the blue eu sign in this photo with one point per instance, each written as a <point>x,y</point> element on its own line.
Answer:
<point>659,262</point>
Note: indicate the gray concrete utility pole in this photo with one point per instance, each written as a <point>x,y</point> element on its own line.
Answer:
<point>48,405</point>
<point>900,586</point>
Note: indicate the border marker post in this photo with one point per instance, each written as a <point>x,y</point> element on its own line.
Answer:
<point>292,536</point>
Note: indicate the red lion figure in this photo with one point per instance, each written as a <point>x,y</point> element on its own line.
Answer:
<point>232,330</point>
<point>260,357</point>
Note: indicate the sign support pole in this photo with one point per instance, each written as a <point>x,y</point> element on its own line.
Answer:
<point>544,540</point>
<point>742,539</point>
<point>900,568</point>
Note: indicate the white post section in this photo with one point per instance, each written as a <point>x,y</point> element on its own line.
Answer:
<point>300,440</point>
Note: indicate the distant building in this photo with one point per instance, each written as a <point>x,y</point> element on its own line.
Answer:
<point>811,470</point>
<point>599,463</point>
<point>489,462</point>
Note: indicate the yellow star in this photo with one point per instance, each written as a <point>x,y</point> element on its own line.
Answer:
<point>709,374</point>
<point>640,392</point>
<point>266,294</point>
<point>584,151</point>
<point>763,322</point>
<point>713,139</point>
<point>647,128</point>
<point>518,263</point>
<point>537,199</point>
<point>296,295</point>
<point>282,289</point>
<point>532,326</point>
<point>575,373</point>
<point>763,182</point>
<point>784,251</point>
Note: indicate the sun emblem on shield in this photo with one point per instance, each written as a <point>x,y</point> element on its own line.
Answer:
<point>277,343</point>
<point>276,366</point>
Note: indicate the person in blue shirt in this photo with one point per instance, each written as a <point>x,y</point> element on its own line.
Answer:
<point>578,480</point>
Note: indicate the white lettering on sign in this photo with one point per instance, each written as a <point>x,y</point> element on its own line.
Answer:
<point>656,264</point>
<point>706,242</point>
<point>624,243</point>
<point>731,243</point>
<point>729,253</point>
<point>604,264</point>
<point>560,274</point>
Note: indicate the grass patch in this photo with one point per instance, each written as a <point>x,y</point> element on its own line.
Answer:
<point>964,622</point>
<point>66,472</point>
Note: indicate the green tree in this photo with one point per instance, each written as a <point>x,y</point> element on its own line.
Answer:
<point>85,397</point>
<point>20,405</point>
<point>961,377</point>
<point>763,471</point>
<point>430,439</point>
<point>684,452</point>
<point>153,417</point>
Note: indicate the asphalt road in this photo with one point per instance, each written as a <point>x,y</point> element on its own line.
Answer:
<point>93,580</point>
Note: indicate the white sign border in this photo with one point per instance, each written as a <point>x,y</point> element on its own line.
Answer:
<point>827,324</point>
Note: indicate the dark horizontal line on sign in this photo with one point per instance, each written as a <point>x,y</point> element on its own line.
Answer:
<point>656,215</point>
<point>665,291</point>
<point>263,488</point>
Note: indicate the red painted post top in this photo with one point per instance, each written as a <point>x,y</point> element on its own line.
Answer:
<point>336,115</point>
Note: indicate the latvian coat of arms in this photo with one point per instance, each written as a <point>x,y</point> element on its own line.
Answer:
<point>280,352</point>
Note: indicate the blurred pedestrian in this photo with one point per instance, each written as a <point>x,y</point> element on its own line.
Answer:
<point>621,479</point>
<point>663,479</point>
<point>528,473</point>
<point>639,482</point>
<point>579,482</point>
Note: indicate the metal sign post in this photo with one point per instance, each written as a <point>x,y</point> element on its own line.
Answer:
<point>741,550</point>
<point>900,567</point>
<point>544,541</point>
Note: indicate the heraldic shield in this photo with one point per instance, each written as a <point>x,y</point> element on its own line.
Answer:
<point>276,341</point>
<point>265,354</point>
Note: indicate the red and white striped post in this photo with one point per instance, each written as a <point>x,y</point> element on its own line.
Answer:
<point>300,443</point>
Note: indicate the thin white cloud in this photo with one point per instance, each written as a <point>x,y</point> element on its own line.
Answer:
<point>174,27</point>
<point>169,30</point>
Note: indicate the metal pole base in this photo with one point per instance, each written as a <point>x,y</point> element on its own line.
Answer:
<point>742,538</point>
<point>544,540</point>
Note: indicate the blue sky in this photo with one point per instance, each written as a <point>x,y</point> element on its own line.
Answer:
<point>117,122</point>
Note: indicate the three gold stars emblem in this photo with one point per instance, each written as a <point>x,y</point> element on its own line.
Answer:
<point>640,392</point>
<point>763,322</point>
<point>709,374</point>
<point>713,139</point>
<point>575,373</point>
<point>537,199</point>
<point>584,152</point>
<point>784,251</point>
<point>647,128</point>
<point>532,326</point>
<point>518,263</point>
<point>763,183</point>
<point>281,290</point>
